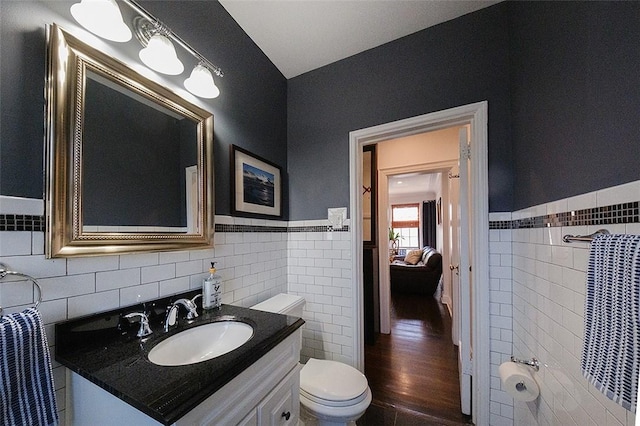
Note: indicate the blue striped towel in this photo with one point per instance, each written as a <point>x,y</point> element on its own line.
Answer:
<point>26,381</point>
<point>611,347</point>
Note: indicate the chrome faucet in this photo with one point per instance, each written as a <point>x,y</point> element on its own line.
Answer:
<point>144,329</point>
<point>172,311</point>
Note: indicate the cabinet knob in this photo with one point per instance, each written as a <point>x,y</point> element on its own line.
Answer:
<point>286,415</point>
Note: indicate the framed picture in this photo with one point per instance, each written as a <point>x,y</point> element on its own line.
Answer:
<point>256,185</point>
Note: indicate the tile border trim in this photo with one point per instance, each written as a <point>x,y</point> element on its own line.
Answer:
<point>622,213</point>
<point>221,227</point>
<point>36,223</point>
<point>21,222</point>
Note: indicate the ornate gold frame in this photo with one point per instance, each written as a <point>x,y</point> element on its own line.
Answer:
<point>68,60</point>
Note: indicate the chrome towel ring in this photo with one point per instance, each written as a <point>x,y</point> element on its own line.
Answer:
<point>4,271</point>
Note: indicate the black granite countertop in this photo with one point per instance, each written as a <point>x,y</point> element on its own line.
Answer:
<point>104,349</point>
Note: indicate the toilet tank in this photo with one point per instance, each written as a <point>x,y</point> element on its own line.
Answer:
<point>287,304</point>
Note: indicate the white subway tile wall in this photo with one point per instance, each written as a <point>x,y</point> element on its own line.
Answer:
<point>536,294</point>
<point>548,302</point>
<point>500,318</point>
<point>253,267</point>
<point>320,271</point>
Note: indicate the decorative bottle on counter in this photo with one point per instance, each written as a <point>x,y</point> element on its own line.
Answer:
<point>211,289</point>
<point>217,291</point>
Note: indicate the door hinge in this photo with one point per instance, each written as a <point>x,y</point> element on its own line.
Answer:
<point>465,153</point>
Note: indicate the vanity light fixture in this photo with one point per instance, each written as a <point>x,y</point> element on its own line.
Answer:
<point>160,55</point>
<point>201,83</point>
<point>103,18</point>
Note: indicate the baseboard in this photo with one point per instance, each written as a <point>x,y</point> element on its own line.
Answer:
<point>446,300</point>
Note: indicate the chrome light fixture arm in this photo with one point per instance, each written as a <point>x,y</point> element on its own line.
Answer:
<point>104,19</point>
<point>145,26</point>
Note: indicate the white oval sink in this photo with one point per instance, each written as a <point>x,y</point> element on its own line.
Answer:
<point>201,343</point>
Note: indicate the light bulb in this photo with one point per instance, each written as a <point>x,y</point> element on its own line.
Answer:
<point>201,84</point>
<point>160,55</point>
<point>103,18</point>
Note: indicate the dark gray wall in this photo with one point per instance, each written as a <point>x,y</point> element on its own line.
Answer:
<point>250,112</point>
<point>561,80</point>
<point>22,64</point>
<point>456,63</point>
<point>575,90</point>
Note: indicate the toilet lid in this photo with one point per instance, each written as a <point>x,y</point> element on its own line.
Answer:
<point>332,382</point>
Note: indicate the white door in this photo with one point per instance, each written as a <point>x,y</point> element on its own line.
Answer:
<point>464,278</point>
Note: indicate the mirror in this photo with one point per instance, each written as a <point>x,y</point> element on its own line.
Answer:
<point>129,164</point>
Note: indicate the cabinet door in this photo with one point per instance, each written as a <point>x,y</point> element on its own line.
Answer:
<point>282,405</point>
<point>250,420</point>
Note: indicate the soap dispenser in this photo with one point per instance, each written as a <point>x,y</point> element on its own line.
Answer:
<point>211,289</point>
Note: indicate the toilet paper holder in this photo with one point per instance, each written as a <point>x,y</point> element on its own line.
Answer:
<point>533,363</point>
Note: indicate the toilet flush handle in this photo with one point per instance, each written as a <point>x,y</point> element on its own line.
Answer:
<point>286,415</point>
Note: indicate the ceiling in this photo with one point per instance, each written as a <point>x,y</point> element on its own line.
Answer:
<point>302,35</point>
<point>414,184</point>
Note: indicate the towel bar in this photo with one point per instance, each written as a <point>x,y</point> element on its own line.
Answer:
<point>4,271</point>
<point>587,238</point>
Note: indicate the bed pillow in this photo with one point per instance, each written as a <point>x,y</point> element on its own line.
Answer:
<point>413,257</point>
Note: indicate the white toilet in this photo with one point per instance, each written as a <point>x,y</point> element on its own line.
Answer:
<point>331,393</point>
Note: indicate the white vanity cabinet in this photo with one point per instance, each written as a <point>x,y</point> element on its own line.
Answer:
<point>280,407</point>
<point>266,393</point>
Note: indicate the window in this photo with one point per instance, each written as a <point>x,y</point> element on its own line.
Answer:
<point>405,220</point>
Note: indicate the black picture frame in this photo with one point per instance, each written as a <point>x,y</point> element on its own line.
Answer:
<point>256,189</point>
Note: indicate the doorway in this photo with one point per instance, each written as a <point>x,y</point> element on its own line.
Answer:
<point>432,153</point>
<point>474,115</point>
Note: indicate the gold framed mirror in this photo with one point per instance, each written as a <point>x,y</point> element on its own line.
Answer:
<point>129,163</point>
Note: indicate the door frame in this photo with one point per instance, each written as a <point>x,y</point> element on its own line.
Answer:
<point>476,116</point>
<point>384,279</point>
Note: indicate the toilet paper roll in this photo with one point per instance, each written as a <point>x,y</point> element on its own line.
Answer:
<point>518,381</point>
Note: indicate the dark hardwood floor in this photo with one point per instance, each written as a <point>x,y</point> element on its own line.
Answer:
<point>413,372</point>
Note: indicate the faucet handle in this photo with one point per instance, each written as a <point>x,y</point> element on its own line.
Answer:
<point>194,308</point>
<point>191,306</point>
<point>144,329</point>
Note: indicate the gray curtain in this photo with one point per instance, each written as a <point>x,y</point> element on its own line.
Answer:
<point>429,223</point>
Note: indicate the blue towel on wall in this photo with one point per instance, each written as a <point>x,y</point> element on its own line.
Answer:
<point>611,347</point>
<point>27,394</point>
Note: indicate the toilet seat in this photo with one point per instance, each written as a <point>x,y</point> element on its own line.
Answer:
<point>330,403</point>
<point>334,415</point>
<point>318,380</point>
